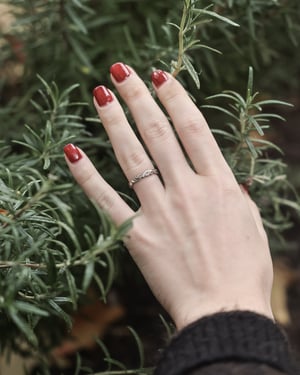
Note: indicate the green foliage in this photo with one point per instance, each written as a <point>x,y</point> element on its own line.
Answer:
<point>247,153</point>
<point>48,260</point>
<point>192,18</point>
<point>122,369</point>
<point>54,243</point>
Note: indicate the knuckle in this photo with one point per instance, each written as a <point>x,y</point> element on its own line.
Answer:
<point>111,115</point>
<point>225,185</point>
<point>185,194</point>
<point>85,179</point>
<point>174,92</point>
<point>180,200</point>
<point>172,95</point>
<point>223,189</point>
<point>105,201</point>
<point>108,115</point>
<point>193,125</point>
<point>134,160</point>
<point>156,129</point>
<point>230,194</point>
<point>133,92</point>
<point>102,197</point>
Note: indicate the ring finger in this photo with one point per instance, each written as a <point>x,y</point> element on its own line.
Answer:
<point>129,152</point>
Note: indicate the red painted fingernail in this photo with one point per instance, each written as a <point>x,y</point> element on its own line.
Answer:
<point>159,77</point>
<point>119,71</point>
<point>102,95</point>
<point>72,153</point>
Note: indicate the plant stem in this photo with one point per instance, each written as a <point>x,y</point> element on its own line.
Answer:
<point>82,261</point>
<point>181,33</point>
<point>35,198</point>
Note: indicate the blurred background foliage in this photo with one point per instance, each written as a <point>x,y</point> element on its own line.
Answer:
<point>55,246</point>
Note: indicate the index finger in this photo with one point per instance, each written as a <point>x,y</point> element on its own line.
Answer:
<point>190,125</point>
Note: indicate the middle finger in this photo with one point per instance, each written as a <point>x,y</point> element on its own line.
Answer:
<point>152,124</point>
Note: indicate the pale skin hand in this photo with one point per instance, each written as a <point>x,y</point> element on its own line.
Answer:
<point>198,238</point>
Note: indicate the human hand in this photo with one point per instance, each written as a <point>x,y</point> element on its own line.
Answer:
<point>197,238</point>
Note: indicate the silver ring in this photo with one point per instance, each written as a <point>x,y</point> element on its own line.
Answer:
<point>139,177</point>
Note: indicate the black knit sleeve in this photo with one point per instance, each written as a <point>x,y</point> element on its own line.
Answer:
<point>232,336</point>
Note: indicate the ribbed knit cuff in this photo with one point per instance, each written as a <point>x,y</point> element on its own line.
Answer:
<point>231,336</point>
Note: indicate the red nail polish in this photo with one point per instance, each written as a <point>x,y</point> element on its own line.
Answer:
<point>102,95</point>
<point>119,71</point>
<point>159,77</point>
<point>72,153</point>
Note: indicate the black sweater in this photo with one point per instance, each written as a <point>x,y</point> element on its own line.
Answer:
<point>239,336</point>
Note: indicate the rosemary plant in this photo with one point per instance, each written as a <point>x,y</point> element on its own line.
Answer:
<point>248,154</point>
<point>48,259</point>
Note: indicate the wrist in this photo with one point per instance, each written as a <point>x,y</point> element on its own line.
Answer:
<point>192,313</point>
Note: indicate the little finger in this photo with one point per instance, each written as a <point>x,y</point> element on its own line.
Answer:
<point>95,187</point>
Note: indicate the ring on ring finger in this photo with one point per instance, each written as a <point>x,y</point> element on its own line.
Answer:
<point>141,176</point>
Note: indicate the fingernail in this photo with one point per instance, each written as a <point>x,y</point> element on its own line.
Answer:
<point>159,77</point>
<point>119,71</point>
<point>102,95</point>
<point>72,153</point>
